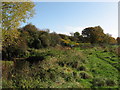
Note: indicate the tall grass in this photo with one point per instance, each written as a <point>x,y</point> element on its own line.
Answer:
<point>62,68</point>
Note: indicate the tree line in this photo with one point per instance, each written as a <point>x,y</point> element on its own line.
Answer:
<point>17,43</point>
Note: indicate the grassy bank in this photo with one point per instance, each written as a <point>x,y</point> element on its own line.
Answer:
<point>63,68</point>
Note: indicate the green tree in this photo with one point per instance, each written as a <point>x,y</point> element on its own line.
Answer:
<point>108,39</point>
<point>45,40</point>
<point>54,39</point>
<point>63,36</point>
<point>31,34</point>
<point>94,34</point>
<point>118,40</point>
<point>76,36</point>
<point>81,39</point>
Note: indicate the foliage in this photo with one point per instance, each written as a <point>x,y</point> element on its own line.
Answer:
<point>54,39</point>
<point>68,42</point>
<point>30,33</point>
<point>13,45</point>
<point>63,36</point>
<point>76,36</point>
<point>61,68</point>
<point>118,40</point>
<point>38,38</point>
<point>40,59</point>
<point>15,12</point>
<point>109,39</point>
<point>96,35</point>
<point>93,34</point>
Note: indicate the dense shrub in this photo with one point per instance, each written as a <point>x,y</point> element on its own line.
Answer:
<point>55,39</point>
<point>31,35</point>
<point>45,40</point>
<point>85,75</point>
<point>110,82</point>
<point>98,82</point>
<point>82,68</point>
<point>58,69</point>
<point>13,45</point>
<point>118,40</point>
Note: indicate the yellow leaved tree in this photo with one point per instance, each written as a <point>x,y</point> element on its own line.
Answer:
<point>13,13</point>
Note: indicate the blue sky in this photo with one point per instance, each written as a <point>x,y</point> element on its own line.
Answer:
<point>67,17</point>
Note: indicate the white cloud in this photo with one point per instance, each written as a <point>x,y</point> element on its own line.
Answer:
<point>68,29</point>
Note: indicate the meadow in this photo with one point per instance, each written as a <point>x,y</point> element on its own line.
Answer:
<point>64,67</point>
<point>45,58</point>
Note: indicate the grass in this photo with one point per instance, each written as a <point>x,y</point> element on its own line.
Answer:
<point>65,68</point>
<point>100,66</point>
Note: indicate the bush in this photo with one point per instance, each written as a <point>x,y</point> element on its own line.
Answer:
<point>45,40</point>
<point>68,76</point>
<point>75,75</point>
<point>98,82</point>
<point>7,84</point>
<point>110,82</point>
<point>61,64</point>
<point>54,39</point>
<point>13,45</point>
<point>82,68</point>
<point>85,75</point>
<point>7,67</point>
<point>75,64</point>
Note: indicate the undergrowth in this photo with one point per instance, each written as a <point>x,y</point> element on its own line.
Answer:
<point>63,68</point>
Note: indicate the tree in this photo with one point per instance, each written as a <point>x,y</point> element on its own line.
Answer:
<point>93,34</point>
<point>81,39</point>
<point>13,13</point>
<point>31,34</point>
<point>63,36</point>
<point>112,41</point>
<point>76,36</point>
<point>54,39</point>
<point>108,39</point>
<point>118,40</point>
<point>45,40</point>
<point>13,45</point>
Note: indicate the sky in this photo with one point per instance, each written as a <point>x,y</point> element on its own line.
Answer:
<point>67,17</point>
